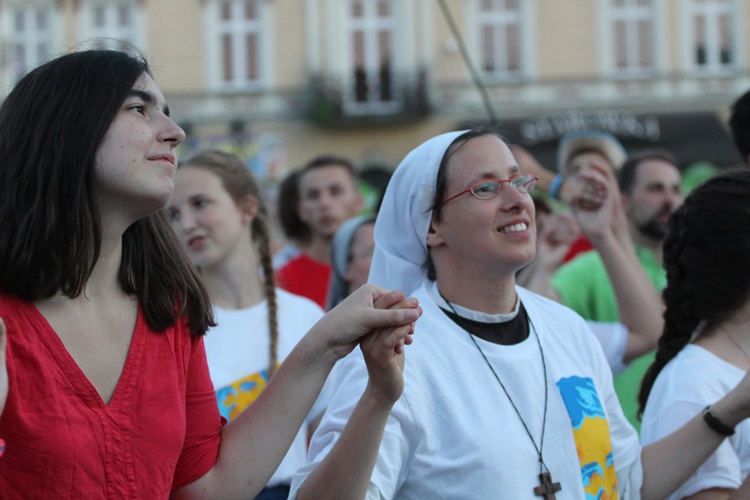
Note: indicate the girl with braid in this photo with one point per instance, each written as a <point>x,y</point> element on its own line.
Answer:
<point>220,216</point>
<point>699,375</point>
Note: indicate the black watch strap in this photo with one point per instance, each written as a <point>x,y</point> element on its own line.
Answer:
<point>715,424</point>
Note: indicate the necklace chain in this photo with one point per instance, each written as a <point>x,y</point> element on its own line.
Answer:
<point>540,448</point>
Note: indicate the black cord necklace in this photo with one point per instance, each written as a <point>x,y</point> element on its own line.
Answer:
<point>546,488</point>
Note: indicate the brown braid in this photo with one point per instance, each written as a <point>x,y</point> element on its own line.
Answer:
<point>705,255</point>
<point>239,182</point>
<point>261,235</point>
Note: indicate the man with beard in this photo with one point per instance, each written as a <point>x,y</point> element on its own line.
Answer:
<point>650,184</point>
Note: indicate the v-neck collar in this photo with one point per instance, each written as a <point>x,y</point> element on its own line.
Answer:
<point>80,383</point>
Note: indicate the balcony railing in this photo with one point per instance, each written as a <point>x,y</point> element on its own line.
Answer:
<point>381,97</point>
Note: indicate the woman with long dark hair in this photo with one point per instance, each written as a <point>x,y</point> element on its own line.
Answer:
<point>703,352</point>
<point>104,387</point>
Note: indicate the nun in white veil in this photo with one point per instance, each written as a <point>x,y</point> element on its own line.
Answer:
<point>479,417</point>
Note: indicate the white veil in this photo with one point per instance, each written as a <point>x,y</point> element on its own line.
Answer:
<point>404,217</point>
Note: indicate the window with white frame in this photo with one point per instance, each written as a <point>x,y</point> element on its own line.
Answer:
<point>500,24</point>
<point>634,40</point>
<point>712,35</point>
<point>372,86</point>
<point>111,25</point>
<point>30,37</point>
<point>239,43</point>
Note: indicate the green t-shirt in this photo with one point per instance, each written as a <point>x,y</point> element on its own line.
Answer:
<point>584,286</point>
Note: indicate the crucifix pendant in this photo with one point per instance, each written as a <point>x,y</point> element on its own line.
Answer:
<point>546,488</point>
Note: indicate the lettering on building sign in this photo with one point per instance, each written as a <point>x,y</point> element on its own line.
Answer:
<point>622,124</point>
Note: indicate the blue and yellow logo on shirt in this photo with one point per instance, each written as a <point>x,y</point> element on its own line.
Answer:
<point>591,434</point>
<point>239,395</point>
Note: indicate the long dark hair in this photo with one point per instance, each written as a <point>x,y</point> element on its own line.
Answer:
<point>51,126</point>
<point>239,182</point>
<point>705,254</point>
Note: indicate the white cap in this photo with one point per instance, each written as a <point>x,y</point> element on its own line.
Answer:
<point>598,140</point>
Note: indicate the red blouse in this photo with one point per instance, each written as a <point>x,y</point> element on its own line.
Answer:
<point>160,431</point>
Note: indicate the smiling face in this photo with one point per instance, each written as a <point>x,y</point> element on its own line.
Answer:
<point>483,237</point>
<point>135,162</point>
<point>208,221</point>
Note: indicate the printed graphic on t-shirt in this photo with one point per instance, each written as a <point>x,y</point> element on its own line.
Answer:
<point>239,395</point>
<point>591,434</point>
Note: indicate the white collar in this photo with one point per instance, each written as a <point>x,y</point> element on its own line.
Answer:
<point>467,313</point>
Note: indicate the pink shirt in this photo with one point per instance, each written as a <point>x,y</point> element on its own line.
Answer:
<point>160,431</point>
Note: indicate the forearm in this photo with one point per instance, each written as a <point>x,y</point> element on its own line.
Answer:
<point>638,302</point>
<point>255,442</point>
<point>346,471</point>
<point>669,462</point>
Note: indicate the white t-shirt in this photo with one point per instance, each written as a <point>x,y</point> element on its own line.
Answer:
<point>238,359</point>
<point>453,434</point>
<point>614,340</point>
<point>694,379</point>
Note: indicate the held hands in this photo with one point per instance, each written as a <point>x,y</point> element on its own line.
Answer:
<point>383,350</point>
<point>369,309</point>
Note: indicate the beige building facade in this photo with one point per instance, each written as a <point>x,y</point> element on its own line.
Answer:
<point>280,81</point>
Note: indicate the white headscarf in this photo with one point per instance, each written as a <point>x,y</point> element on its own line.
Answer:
<point>404,217</point>
<point>341,246</point>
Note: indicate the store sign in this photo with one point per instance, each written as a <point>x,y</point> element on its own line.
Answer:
<point>623,124</point>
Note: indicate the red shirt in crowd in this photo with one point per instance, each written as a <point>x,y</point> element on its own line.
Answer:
<point>306,277</point>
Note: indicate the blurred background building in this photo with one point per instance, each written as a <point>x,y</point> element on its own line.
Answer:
<point>279,81</point>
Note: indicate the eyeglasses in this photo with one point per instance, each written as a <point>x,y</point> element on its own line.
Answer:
<point>488,189</point>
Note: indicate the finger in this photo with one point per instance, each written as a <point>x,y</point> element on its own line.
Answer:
<point>395,336</point>
<point>376,292</point>
<point>399,349</point>
<point>388,299</point>
<point>406,303</point>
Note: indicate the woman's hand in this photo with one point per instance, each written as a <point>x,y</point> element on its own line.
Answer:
<point>368,309</point>
<point>383,350</point>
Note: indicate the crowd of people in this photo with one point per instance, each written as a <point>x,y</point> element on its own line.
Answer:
<point>492,328</point>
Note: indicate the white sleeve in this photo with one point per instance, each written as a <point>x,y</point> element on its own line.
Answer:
<point>626,448</point>
<point>613,338</point>
<point>629,481</point>
<point>721,470</point>
<point>348,384</point>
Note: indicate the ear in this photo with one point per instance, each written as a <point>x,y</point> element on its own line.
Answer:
<point>248,206</point>
<point>434,238</point>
